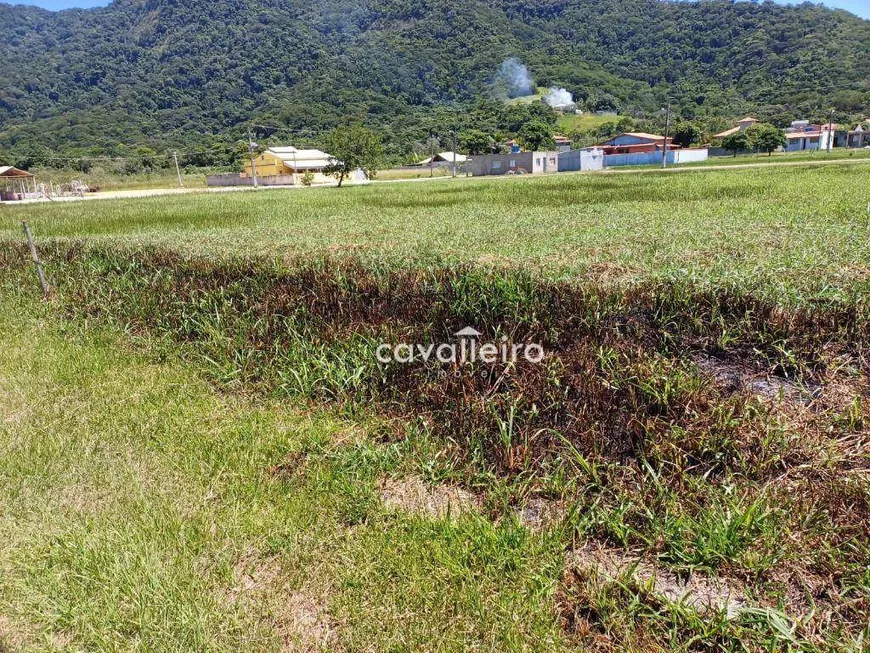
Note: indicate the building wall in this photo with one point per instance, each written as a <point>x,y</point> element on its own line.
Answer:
<point>581,160</point>
<point>234,179</point>
<point>268,165</point>
<point>545,162</point>
<point>535,163</point>
<point>858,139</point>
<point>501,164</point>
<point>675,157</point>
<point>801,144</point>
<point>689,155</point>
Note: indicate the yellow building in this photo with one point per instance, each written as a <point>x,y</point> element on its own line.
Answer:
<point>288,161</point>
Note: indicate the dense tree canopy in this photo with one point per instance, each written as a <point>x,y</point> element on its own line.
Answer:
<point>191,75</point>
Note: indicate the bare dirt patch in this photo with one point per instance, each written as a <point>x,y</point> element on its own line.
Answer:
<point>538,513</point>
<point>413,495</point>
<point>11,639</point>
<point>304,624</point>
<point>252,574</point>
<point>298,616</point>
<point>705,595</point>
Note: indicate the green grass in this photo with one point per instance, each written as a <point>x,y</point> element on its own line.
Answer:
<point>144,508</point>
<point>191,451</point>
<point>568,123</point>
<point>139,511</point>
<point>793,234</point>
<point>528,99</point>
<point>419,173</point>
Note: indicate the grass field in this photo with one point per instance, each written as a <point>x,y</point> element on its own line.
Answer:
<point>107,181</point>
<point>783,157</point>
<point>415,173</point>
<point>796,233</point>
<point>568,123</point>
<point>200,450</point>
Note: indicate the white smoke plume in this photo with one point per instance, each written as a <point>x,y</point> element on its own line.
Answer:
<point>513,79</point>
<point>559,98</point>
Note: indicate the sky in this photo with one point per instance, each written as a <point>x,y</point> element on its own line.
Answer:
<point>860,7</point>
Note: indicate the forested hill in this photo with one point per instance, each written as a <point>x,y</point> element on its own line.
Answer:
<point>172,73</point>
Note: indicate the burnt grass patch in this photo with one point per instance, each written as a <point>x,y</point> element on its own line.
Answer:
<point>633,413</point>
<point>625,368</point>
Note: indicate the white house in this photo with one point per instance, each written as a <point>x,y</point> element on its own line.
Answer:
<point>804,136</point>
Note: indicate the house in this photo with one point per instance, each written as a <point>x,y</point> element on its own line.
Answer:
<point>803,136</point>
<point>513,146</point>
<point>799,141</point>
<point>860,136</point>
<point>742,125</point>
<point>634,142</point>
<point>289,162</point>
<point>562,143</point>
<point>278,166</point>
<point>443,158</point>
<point>515,163</point>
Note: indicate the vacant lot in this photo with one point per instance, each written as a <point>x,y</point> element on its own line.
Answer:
<point>787,232</point>
<point>201,450</point>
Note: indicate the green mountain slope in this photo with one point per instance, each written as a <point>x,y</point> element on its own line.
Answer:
<point>182,74</point>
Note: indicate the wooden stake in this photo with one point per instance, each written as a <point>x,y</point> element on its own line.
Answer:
<point>46,289</point>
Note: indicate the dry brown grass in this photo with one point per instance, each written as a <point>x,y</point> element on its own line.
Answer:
<point>414,496</point>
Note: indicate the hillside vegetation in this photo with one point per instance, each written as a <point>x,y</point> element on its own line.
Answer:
<point>190,74</point>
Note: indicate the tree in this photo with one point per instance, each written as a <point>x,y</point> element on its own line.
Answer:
<point>624,124</point>
<point>30,155</point>
<point>536,135</point>
<point>606,130</point>
<point>475,141</point>
<point>687,134</point>
<point>605,102</point>
<point>737,142</point>
<point>353,148</point>
<point>766,138</point>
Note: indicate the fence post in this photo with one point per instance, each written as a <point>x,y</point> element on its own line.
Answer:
<point>46,289</point>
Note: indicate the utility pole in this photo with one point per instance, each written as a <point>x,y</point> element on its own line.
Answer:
<point>454,153</point>
<point>431,155</point>
<point>251,152</point>
<point>667,133</point>
<point>831,131</point>
<point>177,169</point>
